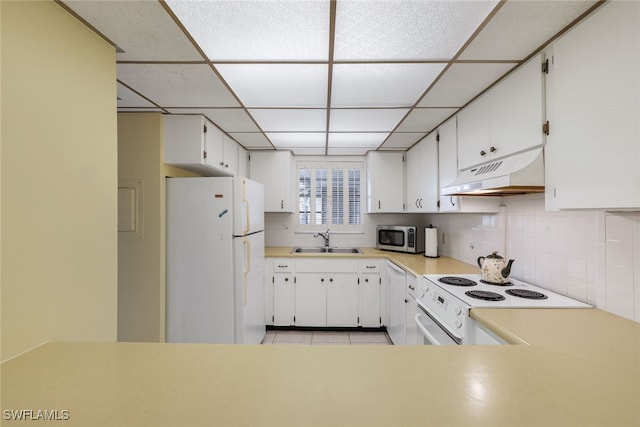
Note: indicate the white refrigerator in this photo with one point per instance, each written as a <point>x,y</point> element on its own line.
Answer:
<point>215,261</point>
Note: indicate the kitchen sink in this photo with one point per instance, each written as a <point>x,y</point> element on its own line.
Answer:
<point>326,251</point>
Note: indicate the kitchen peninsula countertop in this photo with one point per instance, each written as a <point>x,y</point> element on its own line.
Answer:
<point>571,367</point>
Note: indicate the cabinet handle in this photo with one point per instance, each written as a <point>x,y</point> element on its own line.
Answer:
<point>286,279</point>
<point>366,280</point>
<point>226,166</point>
<point>412,288</point>
<point>493,149</point>
<point>378,204</point>
<point>331,280</point>
<point>420,203</point>
<point>204,154</point>
<point>221,163</point>
<point>322,280</point>
<point>283,266</point>
<point>370,266</point>
<point>483,153</point>
<point>281,204</point>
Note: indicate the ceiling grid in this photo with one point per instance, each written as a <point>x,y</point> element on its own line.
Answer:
<point>320,77</point>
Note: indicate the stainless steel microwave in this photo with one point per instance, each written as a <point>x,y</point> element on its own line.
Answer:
<point>400,238</point>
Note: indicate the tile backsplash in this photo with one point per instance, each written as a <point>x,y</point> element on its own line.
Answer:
<point>590,255</point>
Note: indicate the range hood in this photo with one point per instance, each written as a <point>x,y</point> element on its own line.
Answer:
<point>521,173</point>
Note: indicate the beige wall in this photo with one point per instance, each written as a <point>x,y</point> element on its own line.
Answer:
<point>141,285</point>
<point>59,176</point>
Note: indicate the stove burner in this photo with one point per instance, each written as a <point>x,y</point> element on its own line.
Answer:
<point>456,281</point>
<point>525,293</point>
<point>485,295</point>
<point>497,284</point>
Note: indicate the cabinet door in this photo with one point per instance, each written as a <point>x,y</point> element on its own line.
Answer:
<point>474,133</point>
<point>448,162</point>
<point>230,155</point>
<point>214,146</point>
<point>342,299</point>
<point>243,162</point>
<point>283,299</point>
<point>184,141</point>
<point>385,182</point>
<point>310,299</point>
<point>422,175</point>
<point>593,142</point>
<point>369,300</point>
<point>517,111</point>
<point>274,169</point>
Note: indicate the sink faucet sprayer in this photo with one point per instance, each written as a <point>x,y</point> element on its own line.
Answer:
<point>325,236</point>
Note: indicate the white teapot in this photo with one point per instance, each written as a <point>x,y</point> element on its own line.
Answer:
<point>494,269</point>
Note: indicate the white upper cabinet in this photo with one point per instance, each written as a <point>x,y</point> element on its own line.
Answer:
<point>422,176</point>
<point>448,172</point>
<point>274,169</point>
<point>194,143</point>
<point>592,156</point>
<point>505,120</point>
<point>385,182</point>
<point>243,161</point>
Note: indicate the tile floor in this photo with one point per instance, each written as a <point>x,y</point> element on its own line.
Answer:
<point>293,337</point>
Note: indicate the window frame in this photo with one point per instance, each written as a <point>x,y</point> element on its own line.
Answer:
<point>330,165</point>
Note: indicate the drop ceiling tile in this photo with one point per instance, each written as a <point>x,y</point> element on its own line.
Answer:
<point>277,85</point>
<point>229,119</point>
<point>297,139</point>
<point>366,120</point>
<point>405,30</point>
<point>143,29</point>
<point>381,85</point>
<point>177,85</point>
<point>291,120</point>
<point>462,82</point>
<point>251,140</point>
<point>402,141</point>
<point>128,98</point>
<point>356,139</point>
<point>257,30</point>
<point>425,119</point>
<point>520,27</point>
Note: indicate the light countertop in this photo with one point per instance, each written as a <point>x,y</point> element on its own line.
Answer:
<point>416,264</point>
<point>572,367</point>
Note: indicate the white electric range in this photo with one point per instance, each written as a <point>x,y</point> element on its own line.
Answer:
<point>445,301</point>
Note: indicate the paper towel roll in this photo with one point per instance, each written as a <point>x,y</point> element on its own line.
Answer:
<point>431,242</point>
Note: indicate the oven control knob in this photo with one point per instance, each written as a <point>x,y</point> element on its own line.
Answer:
<point>458,324</point>
<point>458,311</point>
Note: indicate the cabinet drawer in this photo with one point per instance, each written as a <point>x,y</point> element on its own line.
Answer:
<point>282,265</point>
<point>326,265</point>
<point>370,266</point>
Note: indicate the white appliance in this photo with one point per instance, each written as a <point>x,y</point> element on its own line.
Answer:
<point>400,238</point>
<point>444,302</point>
<point>215,261</point>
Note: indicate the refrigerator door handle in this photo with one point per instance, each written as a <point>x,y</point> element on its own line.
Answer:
<point>246,216</point>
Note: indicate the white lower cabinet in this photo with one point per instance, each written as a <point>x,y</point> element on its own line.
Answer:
<point>342,299</point>
<point>369,294</point>
<point>283,299</point>
<point>310,299</point>
<point>324,292</point>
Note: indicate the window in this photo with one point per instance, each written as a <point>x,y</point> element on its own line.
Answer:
<point>329,196</point>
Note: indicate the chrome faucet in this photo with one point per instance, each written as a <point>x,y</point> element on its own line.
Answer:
<point>325,236</point>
